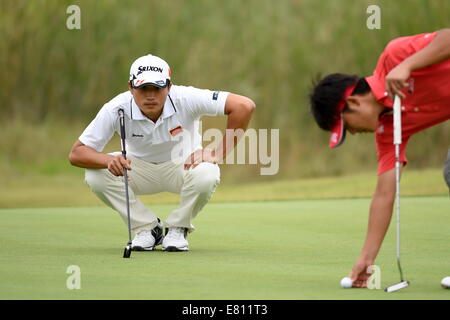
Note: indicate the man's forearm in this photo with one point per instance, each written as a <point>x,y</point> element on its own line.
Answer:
<point>380,215</point>
<point>237,123</point>
<point>85,157</point>
<point>438,50</point>
<point>379,219</point>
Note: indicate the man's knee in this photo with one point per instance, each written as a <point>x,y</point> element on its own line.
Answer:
<point>96,179</point>
<point>206,176</point>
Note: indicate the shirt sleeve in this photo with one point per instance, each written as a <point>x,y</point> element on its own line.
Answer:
<point>203,102</point>
<point>401,48</point>
<point>99,131</point>
<point>386,154</point>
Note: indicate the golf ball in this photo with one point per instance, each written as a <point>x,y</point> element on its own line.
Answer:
<point>346,282</point>
<point>446,282</point>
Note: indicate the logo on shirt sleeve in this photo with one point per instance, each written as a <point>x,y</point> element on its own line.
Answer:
<point>215,95</point>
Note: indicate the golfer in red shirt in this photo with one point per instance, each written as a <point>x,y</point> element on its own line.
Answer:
<point>417,68</point>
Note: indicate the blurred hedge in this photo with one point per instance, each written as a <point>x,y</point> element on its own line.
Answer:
<point>267,50</point>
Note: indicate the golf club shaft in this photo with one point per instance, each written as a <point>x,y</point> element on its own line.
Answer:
<point>125,173</point>
<point>397,205</point>
<point>397,143</point>
<point>125,177</point>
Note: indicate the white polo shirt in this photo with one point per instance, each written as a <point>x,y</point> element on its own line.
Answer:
<point>177,127</point>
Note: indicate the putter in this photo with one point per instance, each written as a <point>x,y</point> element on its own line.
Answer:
<point>397,142</point>
<point>127,250</point>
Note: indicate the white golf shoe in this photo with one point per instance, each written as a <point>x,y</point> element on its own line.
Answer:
<point>146,240</point>
<point>143,241</point>
<point>175,240</point>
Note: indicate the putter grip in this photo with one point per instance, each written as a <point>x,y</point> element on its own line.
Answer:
<point>397,121</point>
<point>122,132</point>
<point>122,124</point>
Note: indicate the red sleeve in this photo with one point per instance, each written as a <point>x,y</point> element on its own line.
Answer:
<point>386,154</point>
<point>385,144</point>
<point>401,48</point>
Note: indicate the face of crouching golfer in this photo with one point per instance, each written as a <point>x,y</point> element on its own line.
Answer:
<point>150,99</point>
<point>361,113</point>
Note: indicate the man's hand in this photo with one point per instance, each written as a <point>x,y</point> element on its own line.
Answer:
<point>117,163</point>
<point>199,156</point>
<point>436,51</point>
<point>396,79</point>
<point>359,273</point>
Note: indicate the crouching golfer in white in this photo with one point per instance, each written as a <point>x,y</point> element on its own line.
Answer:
<point>158,118</point>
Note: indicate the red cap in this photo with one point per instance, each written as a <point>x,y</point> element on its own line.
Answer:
<point>338,131</point>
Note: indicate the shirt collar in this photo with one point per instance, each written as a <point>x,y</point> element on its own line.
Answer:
<point>379,91</point>
<point>136,114</point>
<point>168,109</point>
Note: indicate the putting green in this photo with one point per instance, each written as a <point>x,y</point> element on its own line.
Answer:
<point>252,250</point>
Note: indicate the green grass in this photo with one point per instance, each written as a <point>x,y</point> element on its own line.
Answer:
<point>241,250</point>
<point>68,189</point>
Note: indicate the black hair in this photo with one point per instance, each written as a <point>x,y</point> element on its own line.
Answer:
<point>327,93</point>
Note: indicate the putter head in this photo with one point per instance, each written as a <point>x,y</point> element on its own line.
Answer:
<point>127,252</point>
<point>397,286</point>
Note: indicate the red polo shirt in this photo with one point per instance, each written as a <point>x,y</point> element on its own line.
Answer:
<point>427,101</point>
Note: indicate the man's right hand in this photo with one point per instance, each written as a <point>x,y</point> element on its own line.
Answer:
<point>359,274</point>
<point>117,163</point>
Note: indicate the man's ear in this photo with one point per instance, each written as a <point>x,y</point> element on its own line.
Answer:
<point>354,102</point>
<point>129,87</point>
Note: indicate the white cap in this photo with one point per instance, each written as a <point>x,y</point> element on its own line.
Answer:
<point>151,70</point>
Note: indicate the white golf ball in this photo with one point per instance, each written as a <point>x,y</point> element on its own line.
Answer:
<point>346,282</point>
<point>446,282</point>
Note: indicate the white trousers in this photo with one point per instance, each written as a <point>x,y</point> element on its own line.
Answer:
<point>195,187</point>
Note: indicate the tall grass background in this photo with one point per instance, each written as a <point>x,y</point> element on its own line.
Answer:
<point>54,80</point>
